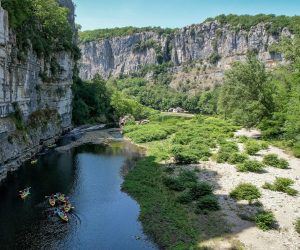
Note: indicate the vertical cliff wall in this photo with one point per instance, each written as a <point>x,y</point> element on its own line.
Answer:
<point>35,105</point>
<point>210,48</point>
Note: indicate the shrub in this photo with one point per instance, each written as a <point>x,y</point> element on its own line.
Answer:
<point>185,154</point>
<point>243,139</point>
<point>264,145</point>
<point>173,184</point>
<point>148,133</point>
<point>251,166</point>
<point>188,178</point>
<point>185,198</point>
<point>274,161</point>
<point>245,191</point>
<point>282,185</point>
<point>207,203</point>
<point>252,147</point>
<point>226,150</point>
<point>265,220</point>
<point>222,157</point>
<point>238,158</point>
<point>200,189</point>
<point>297,226</point>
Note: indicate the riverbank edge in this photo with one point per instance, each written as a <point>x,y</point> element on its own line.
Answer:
<point>167,223</point>
<point>14,164</point>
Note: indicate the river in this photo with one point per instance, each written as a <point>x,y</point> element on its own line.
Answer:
<point>91,175</point>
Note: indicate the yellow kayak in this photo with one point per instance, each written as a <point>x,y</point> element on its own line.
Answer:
<point>34,162</point>
<point>62,215</point>
<point>68,207</point>
<point>62,198</point>
<point>52,202</point>
<point>24,193</point>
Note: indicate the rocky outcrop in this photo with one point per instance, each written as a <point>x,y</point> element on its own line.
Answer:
<point>29,92</point>
<point>209,44</point>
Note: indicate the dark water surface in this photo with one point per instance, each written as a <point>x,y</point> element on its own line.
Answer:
<point>104,217</point>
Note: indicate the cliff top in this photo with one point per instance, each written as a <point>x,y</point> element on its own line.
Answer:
<point>237,22</point>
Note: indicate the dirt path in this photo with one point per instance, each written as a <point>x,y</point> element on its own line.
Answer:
<point>285,208</point>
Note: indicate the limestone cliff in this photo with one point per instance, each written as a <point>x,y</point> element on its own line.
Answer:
<point>30,93</point>
<point>210,46</point>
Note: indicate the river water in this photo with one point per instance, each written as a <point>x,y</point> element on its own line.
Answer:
<point>91,175</point>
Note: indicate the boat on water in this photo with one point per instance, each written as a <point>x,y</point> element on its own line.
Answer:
<point>34,162</point>
<point>62,215</point>
<point>52,201</point>
<point>68,207</point>
<point>61,197</point>
<point>24,193</point>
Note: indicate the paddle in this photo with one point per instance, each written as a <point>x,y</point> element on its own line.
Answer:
<point>24,190</point>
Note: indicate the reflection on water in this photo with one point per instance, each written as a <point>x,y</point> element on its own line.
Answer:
<point>104,217</point>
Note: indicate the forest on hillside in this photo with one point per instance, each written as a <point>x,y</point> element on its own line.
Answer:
<point>251,96</point>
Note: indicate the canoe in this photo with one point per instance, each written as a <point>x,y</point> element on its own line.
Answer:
<point>24,193</point>
<point>52,202</point>
<point>68,207</point>
<point>34,162</point>
<point>62,215</point>
<point>62,198</point>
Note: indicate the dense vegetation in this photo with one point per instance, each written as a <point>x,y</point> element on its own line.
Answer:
<point>245,22</point>
<point>92,35</point>
<point>33,22</point>
<point>172,143</point>
<point>174,191</point>
<point>245,191</point>
<point>253,97</point>
<point>265,220</point>
<point>160,96</point>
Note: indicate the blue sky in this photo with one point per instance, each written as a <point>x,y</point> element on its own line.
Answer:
<point>93,14</point>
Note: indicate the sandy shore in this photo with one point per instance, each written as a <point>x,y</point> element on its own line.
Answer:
<point>286,208</point>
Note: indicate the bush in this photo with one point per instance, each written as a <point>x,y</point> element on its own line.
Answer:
<point>188,178</point>
<point>297,226</point>
<point>273,161</point>
<point>226,150</point>
<point>245,191</point>
<point>222,157</point>
<point>265,220</point>
<point>148,133</point>
<point>282,185</point>
<point>207,203</point>
<point>238,158</point>
<point>185,198</point>
<point>252,147</point>
<point>243,139</point>
<point>187,154</point>
<point>173,184</point>
<point>200,189</point>
<point>251,166</point>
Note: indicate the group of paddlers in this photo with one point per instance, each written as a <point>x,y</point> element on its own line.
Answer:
<point>59,199</point>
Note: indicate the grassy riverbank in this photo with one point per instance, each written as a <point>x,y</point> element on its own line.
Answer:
<point>187,181</point>
<point>172,222</point>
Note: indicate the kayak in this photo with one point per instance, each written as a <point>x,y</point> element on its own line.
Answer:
<point>61,198</point>
<point>62,215</point>
<point>68,207</point>
<point>24,193</point>
<point>34,162</point>
<point>52,202</point>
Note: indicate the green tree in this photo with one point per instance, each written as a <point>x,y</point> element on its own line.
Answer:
<point>246,95</point>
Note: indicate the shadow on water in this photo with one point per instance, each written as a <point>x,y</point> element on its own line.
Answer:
<point>91,175</point>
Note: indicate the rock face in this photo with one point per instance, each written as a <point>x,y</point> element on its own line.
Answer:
<point>44,106</point>
<point>196,43</point>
